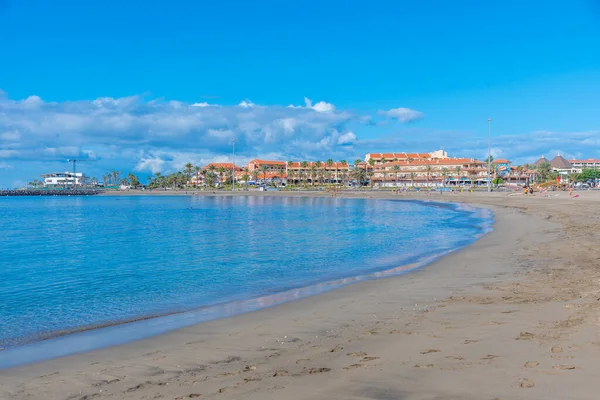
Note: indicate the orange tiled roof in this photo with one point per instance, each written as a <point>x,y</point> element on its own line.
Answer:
<point>501,161</point>
<point>267,162</point>
<point>227,166</point>
<point>400,156</point>
<point>440,161</point>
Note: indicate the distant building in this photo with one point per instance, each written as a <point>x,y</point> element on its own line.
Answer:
<point>317,171</point>
<point>223,171</point>
<point>63,179</point>
<point>541,160</point>
<point>430,171</point>
<point>591,163</point>
<point>562,166</point>
<point>381,158</point>
<point>271,166</point>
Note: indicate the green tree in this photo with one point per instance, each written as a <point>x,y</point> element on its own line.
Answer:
<point>445,174</point>
<point>358,174</point>
<point>197,170</point>
<point>428,173</point>
<point>458,171</point>
<point>396,169</point>
<point>371,171</point>
<point>264,170</point>
<point>189,167</point>
<point>412,178</point>
<point>543,171</point>
<point>588,174</point>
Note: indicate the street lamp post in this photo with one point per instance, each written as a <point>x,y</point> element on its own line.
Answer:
<point>233,166</point>
<point>489,163</point>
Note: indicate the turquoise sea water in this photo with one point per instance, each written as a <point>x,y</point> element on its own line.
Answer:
<point>72,263</point>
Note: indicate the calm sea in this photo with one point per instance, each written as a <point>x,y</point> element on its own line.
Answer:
<point>72,263</point>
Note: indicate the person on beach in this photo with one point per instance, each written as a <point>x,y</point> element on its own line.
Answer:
<point>571,191</point>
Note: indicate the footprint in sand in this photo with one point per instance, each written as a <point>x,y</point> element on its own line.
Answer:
<point>489,357</point>
<point>424,365</point>
<point>281,372</point>
<point>564,367</point>
<point>336,349</point>
<point>357,354</point>
<point>469,341</point>
<point>531,364</point>
<point>556,349</point>
<point>370,358</point>
<point>526,383</point>
<point>430,351</point>
<point>525,336</point>
<point>355,366</point>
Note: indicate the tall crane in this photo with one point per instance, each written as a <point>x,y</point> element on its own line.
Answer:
<point>75,161</point>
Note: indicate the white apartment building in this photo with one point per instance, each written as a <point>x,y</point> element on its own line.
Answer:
<point>63,179</point>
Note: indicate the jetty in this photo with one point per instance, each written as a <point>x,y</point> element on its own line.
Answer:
<point>49,192</point>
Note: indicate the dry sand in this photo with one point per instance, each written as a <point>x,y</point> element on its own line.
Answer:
<point>514,316</point>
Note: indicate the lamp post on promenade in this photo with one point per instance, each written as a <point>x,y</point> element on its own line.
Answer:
<point>489,163</point>
<point>233,166</point>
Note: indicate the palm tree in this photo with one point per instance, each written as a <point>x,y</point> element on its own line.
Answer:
<point>264,169</point>
<point>412,179</point>
<point>384,175</point>
<point>318,165</point>
<point>396,169</point>
<point>458,171</point>
<point>345,165</point>
<point>427,173</point>
<point>444,175</point>
<point>255,174</point>
<point>359,174</point>
<point>196,173</point>
<point>289,172</point>
<point>115,175</point>
<point>304,165</point>
<point>329,164</point>
<point>313,173</point>
<point>370,171</point>
<point>222,172</point>
<point>188,170</point>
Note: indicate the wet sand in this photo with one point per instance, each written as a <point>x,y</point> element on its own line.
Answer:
<point>513,316</point>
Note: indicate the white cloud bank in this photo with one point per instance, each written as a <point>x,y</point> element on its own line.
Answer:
<point>402,114</point>
<point>160,135</point>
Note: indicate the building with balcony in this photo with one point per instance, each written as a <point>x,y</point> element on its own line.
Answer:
<point>317,172</point>
<point>55,179</point>
<point>422,171</point>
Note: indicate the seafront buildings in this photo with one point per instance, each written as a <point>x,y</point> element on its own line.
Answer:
<point>435,168</point>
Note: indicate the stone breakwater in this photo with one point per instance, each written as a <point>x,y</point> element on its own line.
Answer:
<point>34,192</point>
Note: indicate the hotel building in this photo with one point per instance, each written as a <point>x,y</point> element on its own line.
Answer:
<point>423,169</point>
<point>317,171</point>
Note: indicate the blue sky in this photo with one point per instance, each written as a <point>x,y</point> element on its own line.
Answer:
<point>116,82</point>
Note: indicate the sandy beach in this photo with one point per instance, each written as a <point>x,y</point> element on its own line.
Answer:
<point>513,316</point>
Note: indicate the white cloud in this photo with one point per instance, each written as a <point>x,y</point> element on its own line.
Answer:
<point>402,114</point>
<point>202,104</point>
<point>246,104</point>
<point>347,138</point>
<point>155,135</point>
<point>5,166</point>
